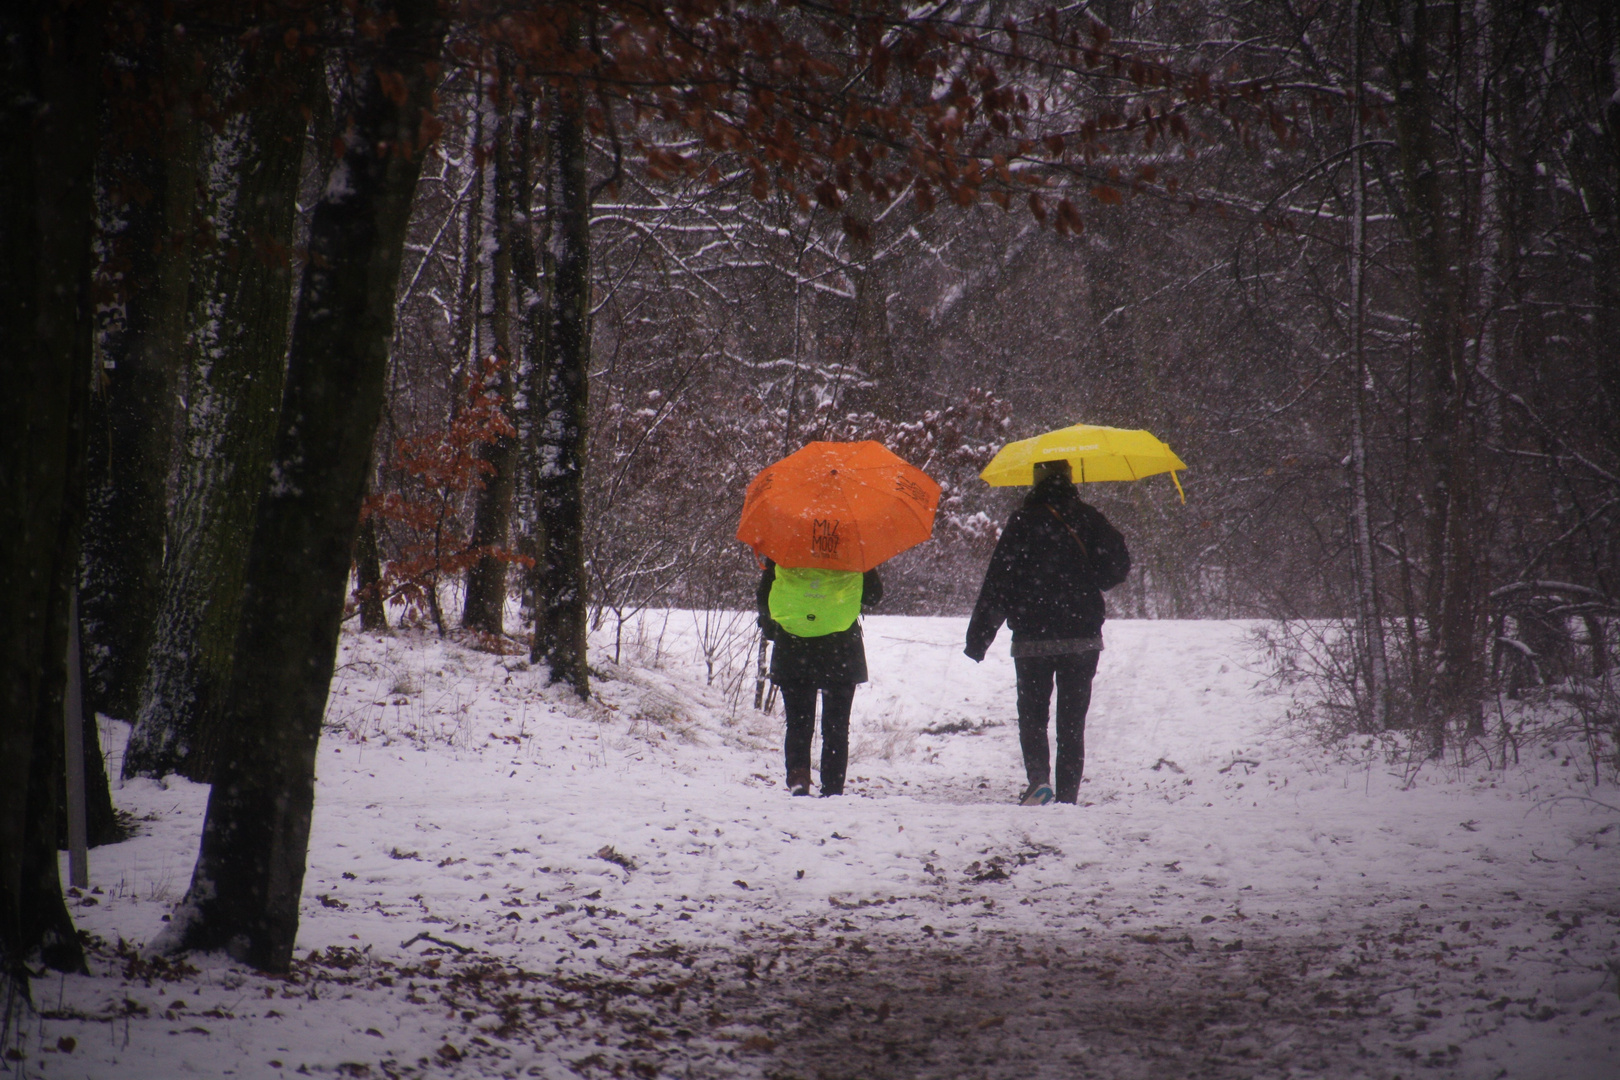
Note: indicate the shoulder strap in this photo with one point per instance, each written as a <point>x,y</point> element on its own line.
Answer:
<point>1070,530</point>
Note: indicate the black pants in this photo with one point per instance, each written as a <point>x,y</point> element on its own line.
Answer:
<point>1035,676</point>
<point>799,702</point>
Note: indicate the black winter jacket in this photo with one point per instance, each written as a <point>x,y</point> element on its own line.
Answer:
<point>1048,572</point>
<point>830,660</point>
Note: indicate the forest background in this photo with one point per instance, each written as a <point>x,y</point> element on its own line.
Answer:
<point>505,300</point>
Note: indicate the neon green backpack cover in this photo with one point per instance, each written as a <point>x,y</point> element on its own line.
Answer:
<point>815,603</point>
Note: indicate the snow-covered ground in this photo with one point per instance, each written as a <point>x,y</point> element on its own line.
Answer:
<point>506,882</point>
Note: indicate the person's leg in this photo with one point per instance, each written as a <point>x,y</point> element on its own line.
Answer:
<point>835,705</point>
<point>799,704</point>
<point>1034,700</point>
<point>1074,674</point>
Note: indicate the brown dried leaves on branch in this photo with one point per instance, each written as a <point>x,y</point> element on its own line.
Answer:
<point>440,469</point>
<point>823,102</point>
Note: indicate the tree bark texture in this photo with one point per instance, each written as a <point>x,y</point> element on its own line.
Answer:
<point>474,217</point>
<point>532,274</point>
<point>145,193</point>
<point>560,610</point>
<point>250,869</point>
<point>240,298</point>
<point>49,75</point>
<point>485,605</point>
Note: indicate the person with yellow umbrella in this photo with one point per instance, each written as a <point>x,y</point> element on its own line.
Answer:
<point>821,520</point>
<point>1046,577</point>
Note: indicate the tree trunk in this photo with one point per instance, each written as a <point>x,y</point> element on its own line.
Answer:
<point>1368,609</point>
<point>1605,271</point>
<point>560,611</point>
<point>532,285</point>
<point>101,816</point>
<point>250,868</point>
<point>50,68</point>
<point>241,292</point>
<point>1452,602</point>
<point>146,192</point>
<point>485,605</point>
<point>474,213</point>
<point>368,579</point>
<point>148,205</point>
<point>870,349</point>
<point>492,517</point>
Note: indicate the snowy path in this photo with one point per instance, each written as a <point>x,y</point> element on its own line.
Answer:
<point>638,896</point>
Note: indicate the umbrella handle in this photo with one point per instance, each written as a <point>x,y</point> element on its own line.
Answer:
<point>1177,480</point>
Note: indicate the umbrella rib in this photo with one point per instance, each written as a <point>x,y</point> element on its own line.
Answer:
<point>847,511</point>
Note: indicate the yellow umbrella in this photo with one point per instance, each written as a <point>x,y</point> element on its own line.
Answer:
<point>1093,453</point>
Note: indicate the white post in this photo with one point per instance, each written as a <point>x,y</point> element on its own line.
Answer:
<point>73,751</point>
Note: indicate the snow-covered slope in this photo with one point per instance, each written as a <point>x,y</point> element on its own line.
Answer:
<point>506,882</point>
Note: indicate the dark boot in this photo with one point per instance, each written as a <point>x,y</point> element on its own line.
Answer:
<point>798,781</point>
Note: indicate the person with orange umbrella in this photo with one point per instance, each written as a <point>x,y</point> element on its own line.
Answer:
<point>821,520</point>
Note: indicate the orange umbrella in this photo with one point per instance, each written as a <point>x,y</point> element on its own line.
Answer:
<point>838,506</point>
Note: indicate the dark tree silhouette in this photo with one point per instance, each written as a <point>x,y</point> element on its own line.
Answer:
<point>250,869</point>
<point>48,93</point>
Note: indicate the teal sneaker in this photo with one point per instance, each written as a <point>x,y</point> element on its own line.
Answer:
<point>1037,795</point>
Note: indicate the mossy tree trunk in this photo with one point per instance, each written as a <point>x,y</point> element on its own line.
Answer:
<point>241,291</point>
<point>146,198</point>
<point>560,598</point>
<point>250,869</point>
<point>145,192</point>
